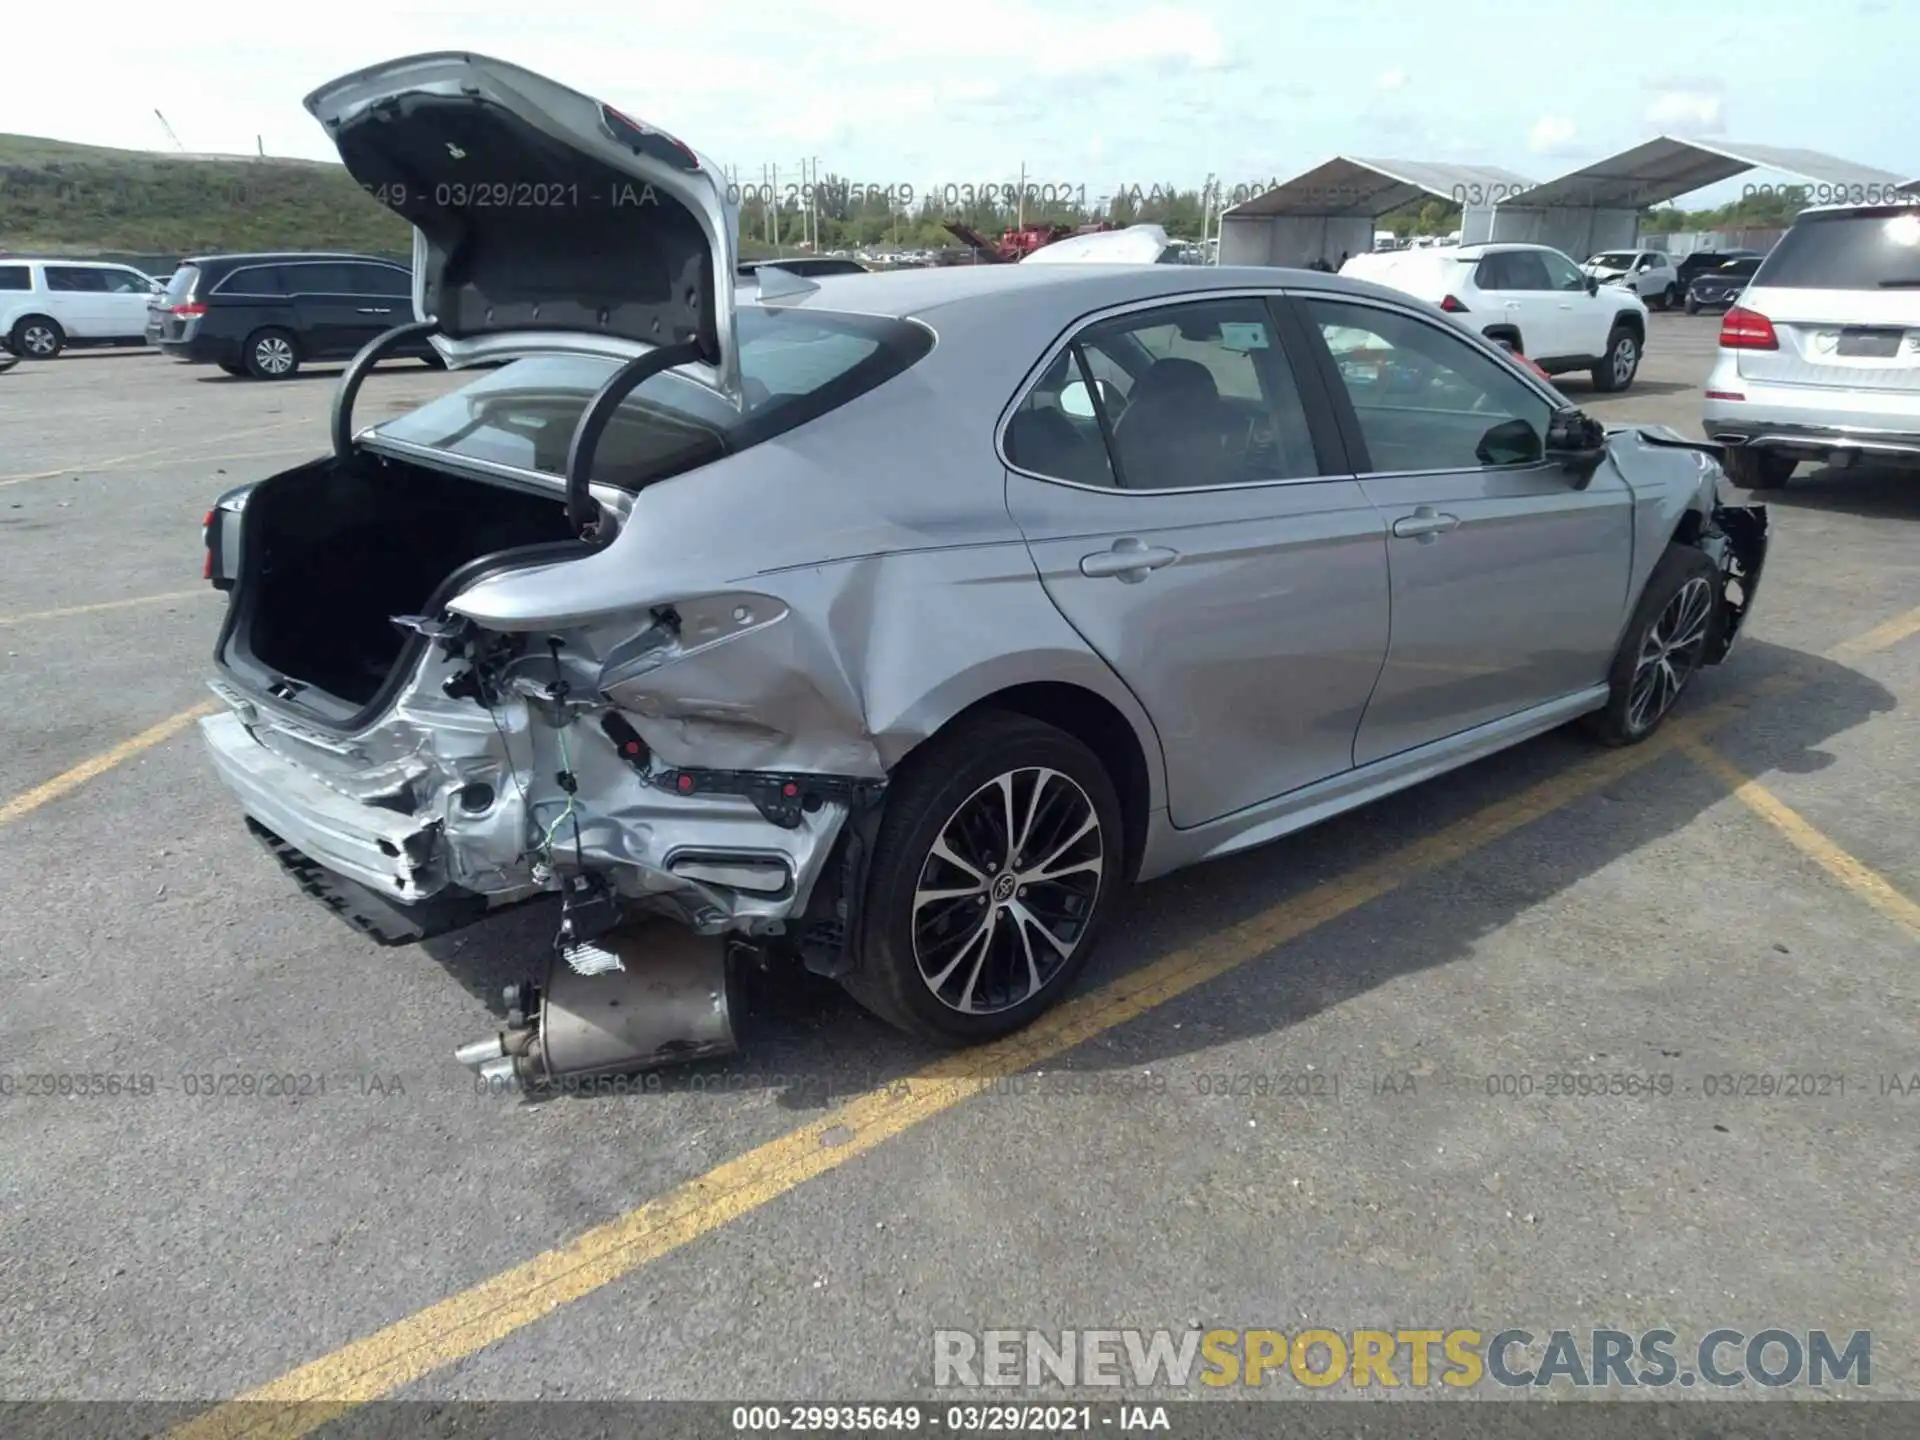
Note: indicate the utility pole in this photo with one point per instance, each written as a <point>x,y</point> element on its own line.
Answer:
<point>774,210</point>
<point>1020,215</point>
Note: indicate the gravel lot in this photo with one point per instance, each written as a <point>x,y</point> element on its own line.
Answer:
<point>1551,911</point>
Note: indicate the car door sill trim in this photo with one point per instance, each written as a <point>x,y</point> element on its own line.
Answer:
<point>1172,847</point>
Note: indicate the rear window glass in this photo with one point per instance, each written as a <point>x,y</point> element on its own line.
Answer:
<point>1871,251</point>
<point>15,277</point>
<point>180,286</point>
<point>796,366</point>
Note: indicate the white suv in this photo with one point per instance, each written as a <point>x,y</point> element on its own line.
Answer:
<point>1531,296</point>
<point>1820,359</point>
<point>46,305</point>
<point>1647,273</point>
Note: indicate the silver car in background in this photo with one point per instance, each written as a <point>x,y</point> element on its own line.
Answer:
<point>889,625</point>
<point>1820,357</point>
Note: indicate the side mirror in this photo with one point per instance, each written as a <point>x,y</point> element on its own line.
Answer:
<point>1511,442</point>
<point>1077,403</point>
<point>1593,286</point>
<point>1577,442</point>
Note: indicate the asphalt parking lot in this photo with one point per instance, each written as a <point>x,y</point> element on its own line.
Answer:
<point>1737,899</point>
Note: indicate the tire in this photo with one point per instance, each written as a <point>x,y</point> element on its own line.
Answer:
<point>271,354</point>
<point>950,794</point>
<point>1693,306</point>
<point>231,368</point>
<point>1670,298</point>
<point>36,337</point>
<point>1621,363</point>
<point>1671,628</point>
<point>1759,469</point>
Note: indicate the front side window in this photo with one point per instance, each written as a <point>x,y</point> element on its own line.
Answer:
<point>127,282</point>
<point>1560,272</point>
<point>382,280</point>
<point>1427,399</point>
<point>1192,395</point>
<point>796,365</point>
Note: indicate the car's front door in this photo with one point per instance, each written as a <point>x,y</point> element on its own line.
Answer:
<point>124,306</point>
<point>1179,479</point>
<point>1587,316</point>
<point>1509,581</point>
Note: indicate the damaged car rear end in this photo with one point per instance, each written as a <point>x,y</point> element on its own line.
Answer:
<point>459,675</point>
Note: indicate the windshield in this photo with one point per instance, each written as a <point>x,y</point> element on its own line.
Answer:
<point>1613,260</point>
<point>796,366</point>
<point>1853,250</point>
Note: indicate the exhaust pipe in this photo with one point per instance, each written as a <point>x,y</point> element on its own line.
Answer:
<point>671,1002</point>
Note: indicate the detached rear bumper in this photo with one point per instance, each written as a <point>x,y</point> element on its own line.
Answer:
<point>388,852</point>
<point>1738,544</point>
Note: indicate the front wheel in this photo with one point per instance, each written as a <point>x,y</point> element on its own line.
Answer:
<point>998,856</point>
<point>1693,306</point>
<point>1663,648</point>
<point>1621,363</point>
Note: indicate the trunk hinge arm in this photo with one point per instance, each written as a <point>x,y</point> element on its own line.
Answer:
<point>357,370</point>
<point>583,512</point>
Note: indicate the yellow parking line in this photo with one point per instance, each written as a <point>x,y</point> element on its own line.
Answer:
<point>68,781</point>
<point>1880,637</point>
<point>1867,883</point>
<point>311,1396</point>
<point>32,615</point>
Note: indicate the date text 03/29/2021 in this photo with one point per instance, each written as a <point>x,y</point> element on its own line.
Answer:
<point>966,1419</point>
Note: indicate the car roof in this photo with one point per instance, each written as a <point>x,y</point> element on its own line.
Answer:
<point>906,294</point>
<point>265,256</point>
<point>66,260</point>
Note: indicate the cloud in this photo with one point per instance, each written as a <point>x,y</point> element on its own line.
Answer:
<point>1553,135</point>
<point>1394,79</point>
<point>1687,112</point>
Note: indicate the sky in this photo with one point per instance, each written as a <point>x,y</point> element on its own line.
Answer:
<point>1082,94</point>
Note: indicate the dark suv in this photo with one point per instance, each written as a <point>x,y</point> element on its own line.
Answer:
<point>265,315</point>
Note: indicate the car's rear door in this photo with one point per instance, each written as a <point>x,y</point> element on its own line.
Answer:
<point>1843,294</point>
<point>77,296</point>
<point>1509,581</point>
<point>1517,283</point>
<point>384,294</point>
<point>1199,528</point>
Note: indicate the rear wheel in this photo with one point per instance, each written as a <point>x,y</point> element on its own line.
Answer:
<point>1759,469</point>
<point>271,354</point>
<point>1671,298</point>
<point>36,337</point>
<point>1663,648</point>
<point>999,854</point>
<point>1621,363</point>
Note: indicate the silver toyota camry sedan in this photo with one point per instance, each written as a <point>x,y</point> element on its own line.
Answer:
<point>888,625</point>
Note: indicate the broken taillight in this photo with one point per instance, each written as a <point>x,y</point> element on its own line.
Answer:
<point>1744,329</point>
<point>1452,306</point>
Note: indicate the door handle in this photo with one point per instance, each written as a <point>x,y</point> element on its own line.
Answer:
<point>1128,561</point>
<point>1424,523</point>
<point>371,310</point>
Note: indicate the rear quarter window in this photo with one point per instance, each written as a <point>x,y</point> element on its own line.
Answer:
<point>1856,250</point>
<point>15,277</point>
<point>797,365</point>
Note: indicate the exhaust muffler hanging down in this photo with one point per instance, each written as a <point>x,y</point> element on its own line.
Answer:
<point>646,994</point>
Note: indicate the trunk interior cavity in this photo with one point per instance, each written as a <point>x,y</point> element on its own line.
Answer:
<point>333,552</point>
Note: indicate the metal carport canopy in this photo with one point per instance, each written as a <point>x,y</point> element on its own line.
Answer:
<point>1352,188</point>
<point>1666,168</point>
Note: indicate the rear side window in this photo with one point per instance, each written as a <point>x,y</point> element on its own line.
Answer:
<point>15,277</point>
<point>1855,250</point>
<point>797,365</point>
<point>253,280</point>
<point>383,280</point>
<point>327,277</point>
<point>75,278</point>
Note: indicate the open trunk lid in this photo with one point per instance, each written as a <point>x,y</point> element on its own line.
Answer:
<point>545,221</point>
